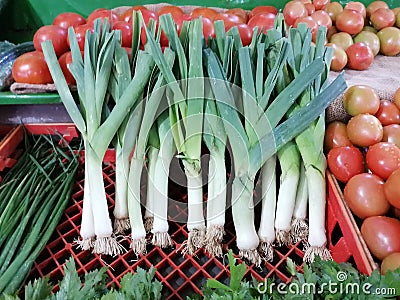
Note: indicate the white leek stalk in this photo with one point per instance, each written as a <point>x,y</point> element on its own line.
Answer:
<point>289,160</point>
<point>166,153</point>
<point>299,231</point>
<point>152,154</point>
<point>266,231</point>
<point>215,140</point>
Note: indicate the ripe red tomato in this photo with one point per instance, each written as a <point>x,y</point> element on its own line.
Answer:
<point>382,17</point>
<point>389,38</point>
<point>174,10</point>
<point>310,8</point>
<point>264,22</point>
<point>127,14</point>
<point>361,99</point>
<point>358,7</point>
<point>229,20</point>
<point>320,4</point>
<point>65,60</point>
<point>262,10</point>
<point>383,158</point>
<point>374,5</point>
<point>54,33</point>
<point>391,134</point>
<point>310,22</point>
<point>388,113</point>
<point>240,12</point>
<point>179,21</point>
<point>390,263</point>
<point>392,189</point>
<point>382,235</point>
<point>246,34</point>
<point>359,56</point>
<point>322,18</point>
<point>126,32</point>
<point>333,9</point>
<point>370,39</point>
<point>31,67</point>
<point>80,33</point>
<point>365,197</point>
<point>207,12</point>
<point>102,14</point>
<point>345,162</point>
<point>364,130</point>
<point>293,10</point>
<point>67,19</point>
<point>349,21</point>
<point>336,136</point>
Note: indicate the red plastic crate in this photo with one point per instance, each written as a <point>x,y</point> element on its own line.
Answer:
<point>180,275</point>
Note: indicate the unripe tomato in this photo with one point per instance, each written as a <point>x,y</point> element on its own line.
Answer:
<point>389,38</point>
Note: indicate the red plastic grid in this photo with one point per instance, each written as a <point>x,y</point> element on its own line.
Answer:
<point>185,275</point>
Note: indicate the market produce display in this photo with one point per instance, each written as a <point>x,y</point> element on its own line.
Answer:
<point>364,155</point>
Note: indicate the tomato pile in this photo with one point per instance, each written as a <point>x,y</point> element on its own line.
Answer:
<point>364,155</point>
<point>356,33</point>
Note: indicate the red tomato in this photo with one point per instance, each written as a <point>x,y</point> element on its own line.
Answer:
<point>127,14</point>
<point>349,21</point>
<point>382,235</point>
<point>339,58</point>
<point>333,9</point>
<point>388,113</point>
<point>391,134</point>
<point>392,189</point>
<point>111,16</point>
<point>322,18</point>
<point>210,13</point>
<point>246,34</point>
<point>179,21</point>
<point>293,10</point>
<point>56,34</point>
<point>310,8</point>
<point>382,18</point>
<point>208,28</point>
<point>80,33</point>
<point>67,19</point>
<point>65,60</point>
<point>365,197</point>
<point>336,136</point>
<point>361,99</point>
<point>310,22</point>
<point>229,20</point>
<point>359,56</point>
<point>264,22</point>
<point>31,67</point>
<point>383,158</point>
<point>262,10</point>
<point>389,38</point>
<point>364,130</point>
<point>320,4</point>
<point>390,263</point>
<point>126,32</point>
<point>240,12</point>
<point>175,11</point>
<point>374,5</point>
<point>345,162</point>
<point>358,7</point>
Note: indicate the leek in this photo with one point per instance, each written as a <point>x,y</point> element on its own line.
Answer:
<point>92,76</point>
